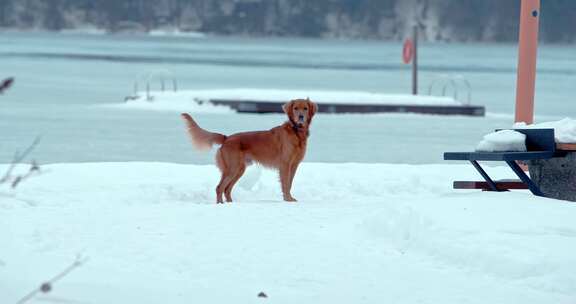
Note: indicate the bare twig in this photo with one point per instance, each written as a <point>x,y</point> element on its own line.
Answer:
<point>33,169</point>
<point>18,158</point>
<point>5,84</point>
<point>47,286</point>
<point>5,196</point>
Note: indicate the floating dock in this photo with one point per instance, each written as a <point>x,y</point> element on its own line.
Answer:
<point>271,101</point>
<point>253,106</point>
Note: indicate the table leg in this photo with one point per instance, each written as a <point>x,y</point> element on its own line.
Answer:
<point>485,176</point>
<point>533,188</point>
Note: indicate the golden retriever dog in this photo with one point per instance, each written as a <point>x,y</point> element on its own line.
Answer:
<point>282,148</point>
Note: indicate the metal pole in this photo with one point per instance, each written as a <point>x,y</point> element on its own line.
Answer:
<point>527,49</point>
<point>415,62</point>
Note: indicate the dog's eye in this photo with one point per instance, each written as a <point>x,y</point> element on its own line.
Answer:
<point>305,109</point>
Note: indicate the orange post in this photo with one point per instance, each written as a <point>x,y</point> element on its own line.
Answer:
<point>527,49</point>
<point>415,62</point>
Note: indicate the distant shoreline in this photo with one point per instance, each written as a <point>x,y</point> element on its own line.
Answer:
<point>169,33</point>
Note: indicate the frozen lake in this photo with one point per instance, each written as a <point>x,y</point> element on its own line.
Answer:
<point>64,84</point>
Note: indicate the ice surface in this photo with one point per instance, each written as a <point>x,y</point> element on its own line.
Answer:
<point>96,70</point>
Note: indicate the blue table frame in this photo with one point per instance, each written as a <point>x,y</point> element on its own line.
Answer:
<point>540,144</point>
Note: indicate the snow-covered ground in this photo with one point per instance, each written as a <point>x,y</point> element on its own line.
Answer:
<point>360,233</point>
<point>198,100</point>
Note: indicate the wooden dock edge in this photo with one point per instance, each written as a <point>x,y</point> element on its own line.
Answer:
<point>248,106</point>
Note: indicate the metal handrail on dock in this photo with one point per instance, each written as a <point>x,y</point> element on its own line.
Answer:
<point>161,75</point>
<point>454,81</point>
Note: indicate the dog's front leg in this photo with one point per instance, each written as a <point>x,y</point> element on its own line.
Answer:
<point>286,181</point>
<point>293,169</point>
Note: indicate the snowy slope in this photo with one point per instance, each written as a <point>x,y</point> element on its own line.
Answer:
<point>361,233</point>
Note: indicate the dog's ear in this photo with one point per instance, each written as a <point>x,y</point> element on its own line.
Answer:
<point>288,109</point>
<point>313,109</point>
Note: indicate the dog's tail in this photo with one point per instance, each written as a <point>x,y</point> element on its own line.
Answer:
<point>202,139</point>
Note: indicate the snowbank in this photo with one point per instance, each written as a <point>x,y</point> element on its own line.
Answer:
<point>169,32</point>
<point>185,99</point>
<point>368,233</point>
<point>564,130</point>
<point>503,140</point>
<point>89,30</point>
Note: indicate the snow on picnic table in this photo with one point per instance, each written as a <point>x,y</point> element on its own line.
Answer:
<point>510,140</point>
<point>360,233</point>
<point>503,140</point>
<point>564,129</point>
<point>188,100</point>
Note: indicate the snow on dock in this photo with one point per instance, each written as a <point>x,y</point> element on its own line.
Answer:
<point>270,101</point>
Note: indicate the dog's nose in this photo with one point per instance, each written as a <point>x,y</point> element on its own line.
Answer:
<point>301,117</point>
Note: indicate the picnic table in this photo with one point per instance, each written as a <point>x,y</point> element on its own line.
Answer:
<point>540,145</point>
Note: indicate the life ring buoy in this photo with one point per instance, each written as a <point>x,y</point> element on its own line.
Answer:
<point>407,51</point>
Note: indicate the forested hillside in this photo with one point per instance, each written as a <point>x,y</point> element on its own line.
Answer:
<point>440,20</point>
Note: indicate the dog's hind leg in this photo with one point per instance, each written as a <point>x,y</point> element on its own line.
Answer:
<point>220,188</point>
<point>223,179</point>
<point>237,175</point>
<point>232,164</point>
